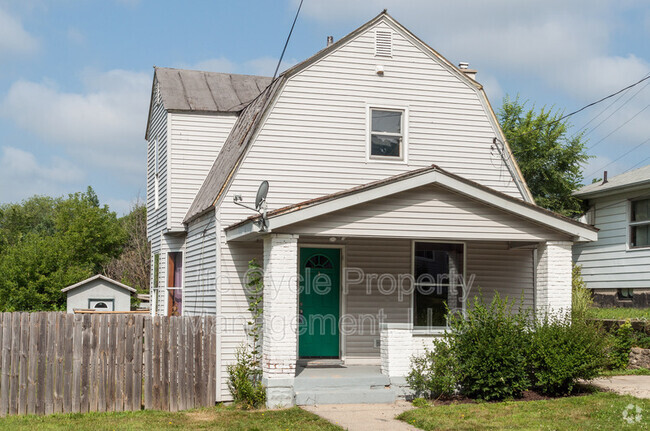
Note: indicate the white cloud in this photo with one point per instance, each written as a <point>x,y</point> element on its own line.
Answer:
<point>101,127</point>
<point>13,36</point>
<point>21,175</point>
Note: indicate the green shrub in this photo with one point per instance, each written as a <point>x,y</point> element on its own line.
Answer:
<point>620,345</point>
<point>562,351</point>
<point>581,297</point>
<point>420,402</point>
<point>435,373</point>
<point>490,345</point>
<point>245,381</point>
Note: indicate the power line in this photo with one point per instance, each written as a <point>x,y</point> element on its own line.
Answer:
<point>616,129</point>
<point>604,98</point>
<point>618,158</point>
<point>275,74</point>
<point>617,109</point>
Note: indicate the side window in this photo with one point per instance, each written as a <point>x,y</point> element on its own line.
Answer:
<point>387,134</point>
<point>640,223</point>
<point>175,283</point>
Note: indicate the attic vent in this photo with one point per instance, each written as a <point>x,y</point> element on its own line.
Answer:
<point>156,96</point>
<point>384,44</point>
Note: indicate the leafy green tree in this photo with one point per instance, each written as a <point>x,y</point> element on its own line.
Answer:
<point>549,159</point>
<point>50,243</point>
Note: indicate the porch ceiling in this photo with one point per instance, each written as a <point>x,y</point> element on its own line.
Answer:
<point>509,218</point>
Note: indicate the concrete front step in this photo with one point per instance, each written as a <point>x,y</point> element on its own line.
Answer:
<point>349,396</point>
<point>329,383</point>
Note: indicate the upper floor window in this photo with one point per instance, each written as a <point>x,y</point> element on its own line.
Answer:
<point>640,223</point>
<point>156,172</point>
<point>387,133</point>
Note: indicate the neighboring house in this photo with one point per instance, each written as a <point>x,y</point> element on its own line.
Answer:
<point>99,293</point>
<point>382,169</point>
<point>617,266</point>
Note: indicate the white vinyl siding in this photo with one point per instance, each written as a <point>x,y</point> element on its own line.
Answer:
<point>425,212</point>
<point>157,194</point>
<point>609,263</point>
<point>196,140</point>
<point>200,267</point>
<point>314,142</point>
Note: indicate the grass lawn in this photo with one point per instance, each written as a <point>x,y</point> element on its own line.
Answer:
<point>601,411</point>
<point>218,418</point>
<point>620,313</point>
<point>637,372</point>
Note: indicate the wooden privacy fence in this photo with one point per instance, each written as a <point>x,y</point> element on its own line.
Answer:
<point>60,363</point>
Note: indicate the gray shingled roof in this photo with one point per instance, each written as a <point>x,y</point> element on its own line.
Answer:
<point>194,90</point>
<point>637,177</point>
<point>232,151</point>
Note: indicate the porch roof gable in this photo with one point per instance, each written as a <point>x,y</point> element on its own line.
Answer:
<point>251,227</point>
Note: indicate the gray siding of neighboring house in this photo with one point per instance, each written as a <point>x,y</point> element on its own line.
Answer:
<point>608,263</point>
<point>97,290</point>
<point>200,267</point>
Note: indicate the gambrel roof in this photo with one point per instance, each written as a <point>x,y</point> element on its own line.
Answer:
<point>248,123</point>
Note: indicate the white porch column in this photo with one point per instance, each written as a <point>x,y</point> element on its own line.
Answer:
<point>396,348</point>
<point>280,323</point>
<point>553,277</point>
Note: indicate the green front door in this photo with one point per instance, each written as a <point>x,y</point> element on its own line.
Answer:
<point>320,270</point>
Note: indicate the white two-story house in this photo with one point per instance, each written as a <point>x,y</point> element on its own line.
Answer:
<point>392,195</point>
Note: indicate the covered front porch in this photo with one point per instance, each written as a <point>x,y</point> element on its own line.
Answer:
<point>363,278</point>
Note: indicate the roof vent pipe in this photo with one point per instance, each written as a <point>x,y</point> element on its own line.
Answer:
<point>463,65</point>
<point>330,40</point>
<point>604,178</point>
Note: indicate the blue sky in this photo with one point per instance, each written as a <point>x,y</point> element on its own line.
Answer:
<point>75,75</point>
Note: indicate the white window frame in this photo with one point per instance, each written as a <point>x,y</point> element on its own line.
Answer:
<point>631,224</point>
<point>426,330</point>
<point>404,144</point>
<point>106,300</point>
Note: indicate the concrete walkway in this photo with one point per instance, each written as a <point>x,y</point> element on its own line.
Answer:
<point>364,417</point>
<point>637,386</point>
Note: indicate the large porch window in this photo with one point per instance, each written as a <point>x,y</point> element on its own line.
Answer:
<point>438,269</point>
<point>175,283</point>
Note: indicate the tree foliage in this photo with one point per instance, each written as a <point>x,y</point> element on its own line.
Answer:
<point>49,243</point>
<point>132,267</point>
<point>549,159</point>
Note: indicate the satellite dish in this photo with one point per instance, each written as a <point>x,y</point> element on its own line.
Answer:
<point>261,195</point>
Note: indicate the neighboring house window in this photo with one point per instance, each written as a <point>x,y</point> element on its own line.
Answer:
<point>437,269</point>
<point>640,223</point>
<point>175,283</point>
<point>101,304</point>
<point>387,134</point>
<point>156,181</point>
<point>625,293</point>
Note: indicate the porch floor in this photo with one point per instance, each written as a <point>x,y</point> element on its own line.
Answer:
<point>359,384</point>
